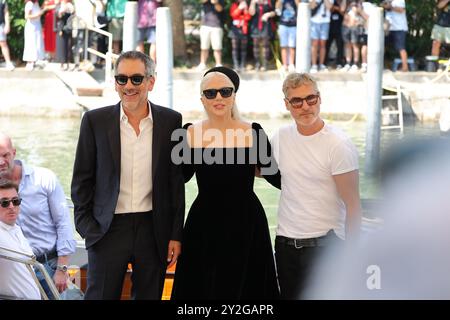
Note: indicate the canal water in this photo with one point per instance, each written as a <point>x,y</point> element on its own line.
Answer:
<point>51,143</point>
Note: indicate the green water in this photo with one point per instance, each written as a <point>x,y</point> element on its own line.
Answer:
<point>51,143</point>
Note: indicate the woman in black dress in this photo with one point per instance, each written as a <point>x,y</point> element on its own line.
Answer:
<point>226,247</point>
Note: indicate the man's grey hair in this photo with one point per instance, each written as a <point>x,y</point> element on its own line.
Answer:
<point>136,55</point>
<point>295,80</point>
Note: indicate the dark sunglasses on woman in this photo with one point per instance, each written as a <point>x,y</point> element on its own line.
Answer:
<point>212,93</point>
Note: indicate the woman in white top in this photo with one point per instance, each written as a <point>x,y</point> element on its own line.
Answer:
<point>34,44</point>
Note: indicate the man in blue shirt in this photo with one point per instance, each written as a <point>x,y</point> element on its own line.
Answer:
<point>44,214</point>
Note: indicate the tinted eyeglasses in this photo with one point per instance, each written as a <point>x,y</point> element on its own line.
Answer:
<point>297,102</point>
<point>4,202</point>
<point>224,92</point>
<point>122,80</point>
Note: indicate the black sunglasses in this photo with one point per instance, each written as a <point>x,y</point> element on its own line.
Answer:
<point>122,80</point>
<point>5,202</point>
<point>297,102</point>
<point>224,92</point>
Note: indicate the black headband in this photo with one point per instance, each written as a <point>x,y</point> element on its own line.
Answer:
<point>230,73</point>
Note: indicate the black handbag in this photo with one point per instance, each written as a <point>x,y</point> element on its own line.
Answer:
<point>316,9</point>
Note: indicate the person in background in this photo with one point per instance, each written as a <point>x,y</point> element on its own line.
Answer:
<point>211,31</point>
<point>239,33</point>
<point>16,280</point>
<point>335,34</point>
<point>44,218</point>
<point>261,30</point>
<point>147,25</point>
<point>115,10</point>
<point>33,50</point>
<point>352,29</point>
<point>398,28</point>
<point>64,10</point>
<point>441,29</point>
<point>287,31</point>
<point>50,29</point>
<point>319,201</point>
<point>320,28</point>
<point>5,27</point>
<point>364,12</point>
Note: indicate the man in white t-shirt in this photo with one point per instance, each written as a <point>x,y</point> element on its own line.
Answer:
<point>15,279</point>
<point>398,27</point>
<point>319,202</point>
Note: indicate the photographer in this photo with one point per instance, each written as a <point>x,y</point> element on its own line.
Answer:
<point>396,16</point>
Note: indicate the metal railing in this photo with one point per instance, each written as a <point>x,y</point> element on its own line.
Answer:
<point>109,56</point>
<point>30,261</point>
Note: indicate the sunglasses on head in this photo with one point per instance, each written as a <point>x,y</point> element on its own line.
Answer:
<point>212,93</point>
<point>122,80</point>
<point>297,102</point>
<point>5,202</point>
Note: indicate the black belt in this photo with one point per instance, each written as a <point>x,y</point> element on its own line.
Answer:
<point>131,214</point>
<point>309,242</point>
<point>43,258</point>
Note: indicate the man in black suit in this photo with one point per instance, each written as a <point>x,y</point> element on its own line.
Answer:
<point>128,194</point>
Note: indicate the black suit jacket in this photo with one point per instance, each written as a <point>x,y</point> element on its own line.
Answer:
<point>96,176</point>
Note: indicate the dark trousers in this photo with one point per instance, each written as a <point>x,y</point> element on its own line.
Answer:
<point>296,266</point>
<point>335,35</point>
<point>130,239</point>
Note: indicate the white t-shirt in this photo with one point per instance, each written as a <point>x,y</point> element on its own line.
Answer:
<point>323,15</point>
<point>310,205</point>
<point>15,279</point>
<point>397,20</point>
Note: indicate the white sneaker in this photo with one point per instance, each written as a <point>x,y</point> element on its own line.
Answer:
<point>323,68</point>
<point>9,66</point>
<point>314,69</point>
<point>201,67</point>
<point>218,65</point>
<point>291,68</point>
<point>29,66</point>
<point>346,68</point>
<point>354,68</point>
<point>364,67</point>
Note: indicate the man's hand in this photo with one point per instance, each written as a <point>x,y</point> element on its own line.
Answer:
<point>60,280</point>
<point>173,252</point>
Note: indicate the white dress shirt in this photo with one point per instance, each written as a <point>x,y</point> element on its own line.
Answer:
<point>136,183</point>
<point>15,279</point>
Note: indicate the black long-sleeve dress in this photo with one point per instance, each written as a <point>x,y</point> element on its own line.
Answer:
<point>226,247</point>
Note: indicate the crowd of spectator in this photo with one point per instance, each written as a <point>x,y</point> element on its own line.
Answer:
<point>257,28</point>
